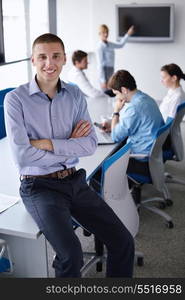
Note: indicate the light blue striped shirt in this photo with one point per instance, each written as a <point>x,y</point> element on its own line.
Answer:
<point>29,114</point>
<point>139,120</point>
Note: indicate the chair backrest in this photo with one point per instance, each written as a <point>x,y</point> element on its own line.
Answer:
<point>115,190</point>
<point>156,163</point>
<point>176,135</point>
<point>2,123</point>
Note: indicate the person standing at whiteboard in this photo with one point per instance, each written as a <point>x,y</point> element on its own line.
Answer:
<point>106,55</point>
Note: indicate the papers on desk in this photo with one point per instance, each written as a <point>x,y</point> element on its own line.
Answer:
<point>7,201</point>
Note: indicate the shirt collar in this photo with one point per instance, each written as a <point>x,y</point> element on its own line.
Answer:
<point>104,44</point>
<point>34,88</point>
<point>135,96</point>
<point>172,91</point>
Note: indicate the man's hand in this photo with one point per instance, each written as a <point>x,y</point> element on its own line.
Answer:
<point>82,128</point>
<point>107,126</point>
<point>42,144</point>
<point>119,104</point>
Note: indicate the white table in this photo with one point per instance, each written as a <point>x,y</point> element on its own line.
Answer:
<point>27,244</point>
<point>101,106</point>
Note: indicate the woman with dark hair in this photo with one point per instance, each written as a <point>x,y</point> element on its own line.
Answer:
<point>170,77</point>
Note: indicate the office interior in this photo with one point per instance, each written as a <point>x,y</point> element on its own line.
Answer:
<point>76,23</point>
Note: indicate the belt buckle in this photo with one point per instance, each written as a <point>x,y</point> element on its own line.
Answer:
<point>21,177</point>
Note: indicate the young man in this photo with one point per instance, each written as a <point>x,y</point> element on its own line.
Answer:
<point>77,75</point>
<point>49,128</point>
<point>137,117</point>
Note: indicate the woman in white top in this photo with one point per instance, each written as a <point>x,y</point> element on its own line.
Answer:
<point>170,77</point>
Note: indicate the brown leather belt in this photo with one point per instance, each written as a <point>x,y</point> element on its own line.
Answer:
<point>58,174</point>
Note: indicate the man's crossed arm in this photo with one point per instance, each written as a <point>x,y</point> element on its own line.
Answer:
<point>81,129</point>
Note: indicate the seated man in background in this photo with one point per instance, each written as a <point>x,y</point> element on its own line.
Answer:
<point>77,75</point>
<point>136,116</point>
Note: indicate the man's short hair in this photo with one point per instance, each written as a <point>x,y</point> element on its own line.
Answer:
<point>122,78</point>
<point>48,38</point>
<point>78,56</point>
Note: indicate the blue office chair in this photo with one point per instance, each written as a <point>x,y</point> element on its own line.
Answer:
<point>110,181</point>
<point>6,265</point>
<point>154,166</point>
<point>2,123</point>
<point>174,149</point>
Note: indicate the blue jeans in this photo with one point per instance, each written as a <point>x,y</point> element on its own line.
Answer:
<point>52,202</point>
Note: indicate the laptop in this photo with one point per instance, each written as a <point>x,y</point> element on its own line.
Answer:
<point>104,138</point>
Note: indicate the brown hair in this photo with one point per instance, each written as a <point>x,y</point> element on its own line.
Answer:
<point>48,38</point>
<point>173,69</point>
<point>78,56</point>
<point>122,78</point>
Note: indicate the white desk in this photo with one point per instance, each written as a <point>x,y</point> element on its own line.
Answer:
<point>101,106</point>
<point>27,244</point>
<point>90,163</point>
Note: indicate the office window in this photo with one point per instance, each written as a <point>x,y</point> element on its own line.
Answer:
<point>39,19</point>
<point>14,30</point>
<point>23,20</point>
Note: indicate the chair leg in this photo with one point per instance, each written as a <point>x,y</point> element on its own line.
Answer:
<point>163,202</point>
<point>161,213</point>
<point>171,179</point>
<point>167,196</point>
<point>139,258</point>
<point>96,257</point>
<point>136,194</point>
<point>99,248</point>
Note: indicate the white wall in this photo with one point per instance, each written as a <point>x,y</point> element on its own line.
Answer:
<point>78,24</point>
<point>13,75</point>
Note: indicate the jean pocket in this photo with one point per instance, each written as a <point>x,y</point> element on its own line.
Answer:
<point>26,187</point>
